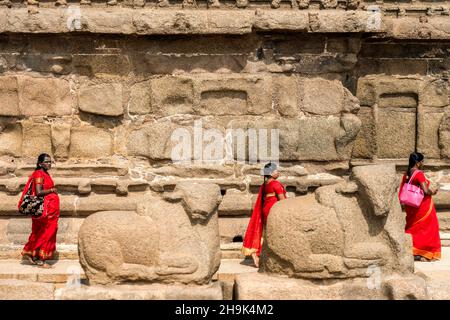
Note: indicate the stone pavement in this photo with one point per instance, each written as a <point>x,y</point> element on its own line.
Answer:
<point>436,268</point>
<point>438,275</point>
<point>24,281</point>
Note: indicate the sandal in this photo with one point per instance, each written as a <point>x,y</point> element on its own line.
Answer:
<point>39,262</point>
<point>255,260</point>
<point>29,259</point>
<point>45,265</point>
<point>421,259</point>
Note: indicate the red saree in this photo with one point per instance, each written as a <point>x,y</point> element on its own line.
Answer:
<point>422,223</point>
<point>253,236</point>
<point>42,240</point>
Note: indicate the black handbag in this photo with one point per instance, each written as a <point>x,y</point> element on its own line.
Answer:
<point>31,205</point>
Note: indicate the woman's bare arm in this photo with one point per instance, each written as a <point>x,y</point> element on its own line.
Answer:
<point>40,192</point>
<point>281,196</point>
<point>427,190</point>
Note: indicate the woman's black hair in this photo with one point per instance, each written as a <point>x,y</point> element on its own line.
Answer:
<point>267,168</point>
<point>414,158</point>
<point>40,159</point>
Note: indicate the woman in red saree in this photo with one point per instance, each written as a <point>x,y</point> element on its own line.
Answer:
<point>422,223</point>
<point>270,192</point>
<point>42,241</point>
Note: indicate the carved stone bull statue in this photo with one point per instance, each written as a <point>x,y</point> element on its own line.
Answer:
<point>170,239</point>
<point>341,230</point>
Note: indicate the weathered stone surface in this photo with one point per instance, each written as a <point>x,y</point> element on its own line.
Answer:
<point>152,141</point>
<point>173,95</point>
<point>403,110</point>
<point>235,202</point>
<point>63,271</point>
<point>350,21</point>
<point>36,139</point>
<point>316,138</point>
<point>195,171</point>
<point>86,205</point>
<point>140,99</point>
<point>61,140</point>
<point>365,141</point>
<point>11,141</point>
<point>376,185</point>
<point>103,99</point>
<point>142,292</point>
<point>286,95</point>
<point>435,94</point>
<point>227,95</point>
<point>3,226</point>
<point>186,250</point>
<point>275,20</point>
<point>444,220</point>
<point>9,96</point>
<point>107,21</point>
<point>232,229</point>
<point>315,100</point>
<point>90,142</point>
<point>416,28</point>
<point>25,290</point>
<point>132,20</point>
<point>72,205</point>
<point>78,170</point>
<point>396,134</point>
<point>257,286</point>
<point>444,136</point>
<point>442,199</point>
<point>100,64</point>
<point>428,134</point>
<point>44,96</point>
<point>438,289</point>
<point>309,138</point>
<point>18,230</point>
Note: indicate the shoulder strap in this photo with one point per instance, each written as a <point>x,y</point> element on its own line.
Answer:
<point>412,176</point>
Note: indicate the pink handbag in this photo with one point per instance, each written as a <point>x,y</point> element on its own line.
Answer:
<point>411,195</point>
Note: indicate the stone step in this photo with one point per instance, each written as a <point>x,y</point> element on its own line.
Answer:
<point>21,277</point>
<point>444,220</point>
<point>62,271</point>
<point>231,250</point>
<point>30,282</point>
<point>227,272</point>
<point>64,252</point>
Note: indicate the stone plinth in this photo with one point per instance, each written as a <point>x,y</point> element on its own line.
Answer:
<point>211,291</point>
<point>258,286</point>
<point>13,289</point>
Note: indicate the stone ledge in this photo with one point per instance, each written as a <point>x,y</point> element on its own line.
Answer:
<point>200,21</point>
<point>76,206</point>
<point>12,289</point>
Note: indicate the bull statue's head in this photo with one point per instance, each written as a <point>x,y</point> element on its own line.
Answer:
<point>377,184</point>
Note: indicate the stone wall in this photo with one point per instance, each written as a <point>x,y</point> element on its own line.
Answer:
<point>104,93</point>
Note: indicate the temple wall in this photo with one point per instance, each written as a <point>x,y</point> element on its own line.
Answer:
<point>104,97</point>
